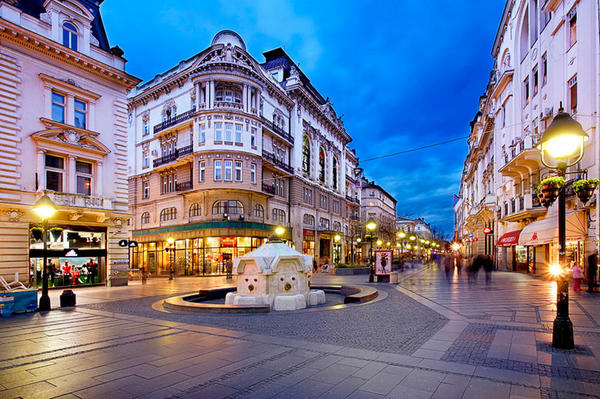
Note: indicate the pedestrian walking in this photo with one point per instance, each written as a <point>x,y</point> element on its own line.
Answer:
<point>488,266</point>
<point>448,266</point>
<point>577,277</point>
<point>592,270</point>
<point>473,269</point>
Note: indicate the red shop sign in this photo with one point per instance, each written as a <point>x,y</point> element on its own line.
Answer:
<point>228,242</point>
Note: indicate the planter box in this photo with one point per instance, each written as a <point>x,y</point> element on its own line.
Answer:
<point>118,281</point>
<point>348,271</point>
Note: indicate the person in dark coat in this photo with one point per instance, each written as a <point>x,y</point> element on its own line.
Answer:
<point>476,264</point>
<point>488,266</point>
<point>448,266</point>
<point>592,271</point>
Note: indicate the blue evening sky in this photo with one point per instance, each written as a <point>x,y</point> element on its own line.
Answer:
<point>403,73</point>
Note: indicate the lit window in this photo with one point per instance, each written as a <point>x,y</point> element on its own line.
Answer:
<point>202,171</point>
<point>218,132</point>
<point>84,177</point>
<point>238,171</point>
<point>218,171</point>
<point>70,36</point>
<point>80,113</point>
<point>55,167</point>
<point>322,165</point>
<point>253,173</point>
<point>58,107</point>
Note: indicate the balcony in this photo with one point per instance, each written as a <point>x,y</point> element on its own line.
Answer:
<point>80,201</point>
<point>521,159</point>
<point>185,186</point>
<point>354,218</point>
<point>179,153</point>
<point>228,105</point>
<point>268,189</point>
<point>352,199</point>
<point>523,207</point>
<point>174,121</point>
<point>269,157</point>
<point>351,179</point>
<point>277,130</point>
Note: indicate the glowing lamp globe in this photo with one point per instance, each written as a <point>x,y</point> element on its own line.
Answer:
<point>170,240</point>
<point>44,207</point>
<point>379,242</point>
<point>412,238</point>
<point>371,225</point>
<point>402,234</point>
<point>337,238</point>
<point>562,143</point>
<point>279,230</point>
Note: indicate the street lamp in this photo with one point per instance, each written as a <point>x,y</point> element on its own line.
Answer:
<point>171,250</point>
<point>412,238</point>
<point>562,146</point>
<point>279,231</point>
<point>45,208</point>
<point>371,225</point>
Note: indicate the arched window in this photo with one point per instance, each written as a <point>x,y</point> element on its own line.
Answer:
<point>195,209</point>
<point>324,223</point>
<point>524,42</point>
<point>278,215</point>
<point>334,169</point>
<point>309,220</point>
<point>145,218</point>
<point>70,36</point>
<point>259,211</point>
<point>337,226</point>
<point>321,165</point>
<point>168,214</point>
<point>306,155</point>
<point>229,207</point>
<point>229,94</point>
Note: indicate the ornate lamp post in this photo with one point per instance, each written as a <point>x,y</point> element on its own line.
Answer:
<point>171,251</point>
<point>45,208</point>
<point>562,146</point>
<point>371,226</point>
<point>358,240</point>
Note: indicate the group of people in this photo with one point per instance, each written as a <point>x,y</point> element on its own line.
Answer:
<point>471,266</point>
<point>70,274</point>
<point>590,275</point>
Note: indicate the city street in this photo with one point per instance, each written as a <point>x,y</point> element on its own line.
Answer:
<point>423,338</point>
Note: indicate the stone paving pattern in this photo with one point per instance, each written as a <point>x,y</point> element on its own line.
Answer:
<point>480,343</point>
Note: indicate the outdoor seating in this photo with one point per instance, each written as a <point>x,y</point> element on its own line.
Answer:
<point>13,285</point>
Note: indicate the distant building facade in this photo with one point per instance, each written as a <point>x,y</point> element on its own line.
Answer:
<point>416,226</point>
<point>379,205</point>
<point>541,60</point>
<point>224,149</point>
<point>64,132</point>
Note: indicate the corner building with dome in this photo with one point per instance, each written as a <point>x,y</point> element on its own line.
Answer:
<point>223,149</point>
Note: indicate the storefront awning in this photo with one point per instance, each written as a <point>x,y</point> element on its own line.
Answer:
<point>546,230</point>
<point>509,239</point>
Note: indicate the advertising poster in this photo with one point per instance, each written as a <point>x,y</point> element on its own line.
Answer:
<point>383,262</point>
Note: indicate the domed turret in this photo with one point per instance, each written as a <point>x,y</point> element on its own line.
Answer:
<point>228,37</point>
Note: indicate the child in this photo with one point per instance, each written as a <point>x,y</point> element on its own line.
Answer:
<point>577,277</point>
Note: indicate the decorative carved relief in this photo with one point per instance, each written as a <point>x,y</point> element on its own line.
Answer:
<point>14,215</point>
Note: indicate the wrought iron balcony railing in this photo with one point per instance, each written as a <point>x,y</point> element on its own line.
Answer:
<point>277,130</point>
<point>270,157</point>
<point>178,153</point>
<point>174,121</point>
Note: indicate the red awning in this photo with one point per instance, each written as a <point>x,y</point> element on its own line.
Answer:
<point>509,239</point>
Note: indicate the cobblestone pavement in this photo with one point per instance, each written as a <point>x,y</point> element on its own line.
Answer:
<point>425,339</point>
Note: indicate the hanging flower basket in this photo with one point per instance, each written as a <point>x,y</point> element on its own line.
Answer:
<point>550,188</point>
<point>584,189</point>
<point>36,233</point>
<point>545,203</point>
<point>56,232</point>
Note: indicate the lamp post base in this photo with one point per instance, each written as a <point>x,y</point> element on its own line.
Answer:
<point>371,278</point>
<point>562,333</point>
<point>44,304</point>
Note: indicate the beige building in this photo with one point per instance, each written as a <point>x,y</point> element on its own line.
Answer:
<point>224,149</point>
<point>379,205</point>
<point>63,130</point>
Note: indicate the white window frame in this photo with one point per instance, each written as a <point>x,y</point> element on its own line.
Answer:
<point>201,171</point>
<point>55,170</point>
<point>145,159</point>
<point>228,170</point>
<point>253,137</point>
<point>62,105</point>
<point>202,134</point>
<point>146,190</point>
<point>218,174</point>
<point>238,133</point>
<point>228,133</point>
<point>253,173</point>
<point>218,132</point>
<point>146,127</point>
<point>238,171</point>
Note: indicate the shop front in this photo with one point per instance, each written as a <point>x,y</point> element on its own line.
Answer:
<point>76,255</point>
<point>308,242</point>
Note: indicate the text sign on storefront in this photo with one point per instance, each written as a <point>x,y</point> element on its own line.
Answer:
<point>228,242</point>
<point>487,230</point>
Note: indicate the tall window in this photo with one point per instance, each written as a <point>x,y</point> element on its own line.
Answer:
<point>58,107</point>
<point>218,132</point>
<point>84,177</point>
<point>238,134</point>
<point>146,190</point>
<point>308,219</point>
<point>279,186</point>
<point>253,173</point>
<point>336,206</point>
<point>202,134</point>
<point>230,207</point>
<point>524,43</point>
<point>218,171</point>
<point>194,209</point>
<point>146,126</point>
<point>572,27</point>
<point>145,218</point>
<point>229,132</point>
<point>80,113</point>
<point>573,94</point>
<point>201,170</point>
<point>253,137</point>
<point>168,214</point>
<point>238,170</point>
<point>324,223</point>
<point>535,78</point>
<point>278,215</point>
<point>70,36</point>
<point>55,169</point>
<point>168,183</point>
<point>544,69</point>
<point>146,159</point>
<point>307,195</point>
<point>335,173</point>
<point>228,170</point>
<point>306,155</point>
<point>526,91</point>
<point>259,211</point>
<point>321,164</point>
<point>324,202</point>
<point>534,21</point>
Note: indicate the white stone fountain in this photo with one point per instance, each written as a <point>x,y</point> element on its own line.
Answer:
<point>275,275</point>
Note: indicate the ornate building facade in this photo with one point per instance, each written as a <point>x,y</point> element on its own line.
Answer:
<point>223,149</point>
<point>63,129</point>
<point>540,60</point>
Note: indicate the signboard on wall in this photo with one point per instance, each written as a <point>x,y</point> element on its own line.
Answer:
<point>383,262</point>
<point>228,242</point>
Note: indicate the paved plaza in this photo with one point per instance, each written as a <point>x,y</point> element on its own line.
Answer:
<point>426,337</point>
